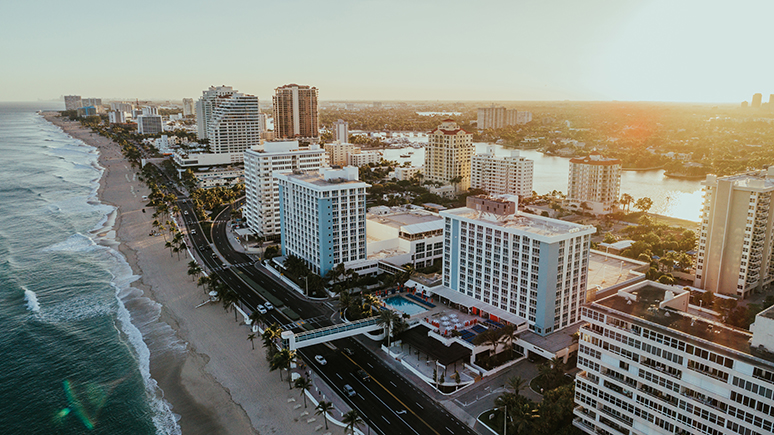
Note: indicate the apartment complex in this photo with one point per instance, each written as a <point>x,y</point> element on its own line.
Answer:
<point>323,217</point>
<point>650,367</point>
<point>116,117</point>
<point>295,112</point>
<point>735,240</point>
<point>235,126</point>
<point>499,117</point>
<point>502,175</point>
<point>529,266</point>
<point>262,210</point>
<point>96,102</point>
<point>72,102</point>
<point>189,109</point>
<point>447,156</point>
<point>341,131</point>
<point>122,107</point>
<point>363,158</point>
<point>149,124</point>
<point>206,105</point>
<point>756,100</point>
<point>595,181</point>
<point>338,152</point>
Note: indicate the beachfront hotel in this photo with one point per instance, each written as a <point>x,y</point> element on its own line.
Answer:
<point>522,265</point>
<point>206,105</point>
<point>235,126</point>
<point>652,365</point>
<point>595,181</point>
<point>73,102</point>
<point>323,217</point>
<point>502,175</point>
<point>262,210</point>
<point>735,240</point>
<point>447,156</point>
<point>295,112</point>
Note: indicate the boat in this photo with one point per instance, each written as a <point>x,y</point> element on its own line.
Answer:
<point>404,156</point>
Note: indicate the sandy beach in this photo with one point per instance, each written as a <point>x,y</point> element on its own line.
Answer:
<point>218,385</point>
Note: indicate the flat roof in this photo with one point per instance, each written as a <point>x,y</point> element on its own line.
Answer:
<point>606,270</point>
<point>316,179</point>
<point>538,225</point>
<point>408,219</point>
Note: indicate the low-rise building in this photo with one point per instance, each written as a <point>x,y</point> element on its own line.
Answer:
<point>400,236</point>
<point>364,158</point>
<point>405,173</point>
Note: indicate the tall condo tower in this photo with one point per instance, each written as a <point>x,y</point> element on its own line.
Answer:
<point>756,101</point>
<point>735,241</point>
<point>205,107</point>
<point>447,155</point>
<point>501,175</point>
<point>235,126</point>
<point>188,107</point>
<point>295,112</point>
<point>595,181</point>
<point>341,131</point>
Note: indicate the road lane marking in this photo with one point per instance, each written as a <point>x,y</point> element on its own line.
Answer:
<point>385,419</point>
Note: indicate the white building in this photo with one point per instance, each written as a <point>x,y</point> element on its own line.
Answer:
<point>116,117</point>
<point>447,156</point>
<point>341,131</point>
<point>235,126</point>
<point>338,152</point>
<point>96,102</point>
<point>527,266</point>
<point>121,107</point>
<point>149,124</point>
<point>399,236</point>
<point>223,176</point>
<point>189,109</point>
<point>595,181</point>
<point>205,107</point>
<point>363,158</point>
<point>495,117</point>
<point>405,173</point>
<point>73,102</point>
<point>262,210</point>
<point>190,159</point>
<point>650,367</point>
<point>735,241</point>
<point>150,110</point>
<point>323,217</point>
<point>506,175</point>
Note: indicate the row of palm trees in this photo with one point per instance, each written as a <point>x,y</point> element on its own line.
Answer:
<point>520,415</point>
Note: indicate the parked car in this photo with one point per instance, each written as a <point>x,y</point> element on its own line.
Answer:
<point>349,390</point>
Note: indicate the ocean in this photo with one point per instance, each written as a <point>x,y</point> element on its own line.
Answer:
<point>74,359</point>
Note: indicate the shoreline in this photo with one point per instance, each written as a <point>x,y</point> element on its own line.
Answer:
<point>218,384</point>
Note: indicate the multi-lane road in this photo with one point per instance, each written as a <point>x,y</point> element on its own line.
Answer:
<point>388,402</point>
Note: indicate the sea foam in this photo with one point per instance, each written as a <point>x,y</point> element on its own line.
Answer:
<point>32,300</point>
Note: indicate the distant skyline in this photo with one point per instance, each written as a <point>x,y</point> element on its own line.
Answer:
<point>686,51</point>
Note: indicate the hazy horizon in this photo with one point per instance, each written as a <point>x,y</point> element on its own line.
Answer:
<point>658,51</point>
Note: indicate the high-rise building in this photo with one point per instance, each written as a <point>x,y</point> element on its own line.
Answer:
<point>235,126</point>
<point>771,101</point>
<point>205,107</point>
<point>502,175</point>
<point>96,102</point>
<point>523,117</point>
<point>117,117</point>
<point>595,181</point>
<point>341,131</point>
<point>149,124</point>
<point>529,266</point>
<point>150,110</point>
<point>295,112</point>
<point>338,152</point>
<point>189,109</point>
<point>262,210</point>
<point>735,240</point>
<point>650,367</point>
<point>447,155</point>
<point>73,102</point>
<point>121,107</point>
<point>756,100</point>
<point>323,217</point>
<point>495,117</point>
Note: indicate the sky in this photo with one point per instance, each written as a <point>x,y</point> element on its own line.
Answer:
<point>682,51</point>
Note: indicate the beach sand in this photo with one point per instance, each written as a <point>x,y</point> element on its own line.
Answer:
<point>219,385</point>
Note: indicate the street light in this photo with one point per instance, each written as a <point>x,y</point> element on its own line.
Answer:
<point>505,418</point>
<point>306,282</point>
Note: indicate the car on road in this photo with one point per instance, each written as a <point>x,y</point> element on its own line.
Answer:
<point>349,390</point>
<point>268,306</point>
<point>193,231</point>
<point>363,376</point>
<point>320,360</point>
<point>348,351</point>
<point>185,212</point>
<point>261,309</point>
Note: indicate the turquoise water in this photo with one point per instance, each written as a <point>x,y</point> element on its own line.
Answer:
<point>74,360</point>
<point>405,305</point>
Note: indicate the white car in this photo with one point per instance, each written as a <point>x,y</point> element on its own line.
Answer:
<point>262,309</point>
<point>185,212</point>
<point>320,360</point>
<point>193,231</point>
<point>268,306</point>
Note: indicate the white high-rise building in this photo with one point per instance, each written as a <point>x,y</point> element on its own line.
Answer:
<point>323,217</point>
<point>447,156</point>
<point>594,181</point>
<point>73,102</point>
<point>150,110</point>
<point>363,158</point>
<point>205,107</point>
<point>149,124</point>
<point>736,237</point>
<point>650,367</point>
<point>189,108</point>
<point>116,117</point>
<point>235,126</point>
<point>502,175</point>
<point>525,266</point>
<point>496,117</point>
<point>341,131</point>
<point>262,210</point>
<point>122,107</point>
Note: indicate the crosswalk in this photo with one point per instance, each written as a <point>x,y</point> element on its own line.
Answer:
<point>229,266</point>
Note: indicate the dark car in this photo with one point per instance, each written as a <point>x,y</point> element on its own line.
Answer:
<point>363,375</point>
<point>348,351</point>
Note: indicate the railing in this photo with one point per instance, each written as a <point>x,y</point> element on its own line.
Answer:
<point>329,330</point>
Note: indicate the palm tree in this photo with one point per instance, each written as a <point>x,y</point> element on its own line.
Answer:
<point>387,318</point>
<point>282,360</point>
<point>304,384</point>
<point>352,420</point>
<point>488,338</point>
<point>168,245</point>
<point>369,302</point>
<point>256,318</point>
<point>507,333</point>
<point>517,383</point>
<point>251,337</point>
<point>229,298</point>
<point>324,408</point>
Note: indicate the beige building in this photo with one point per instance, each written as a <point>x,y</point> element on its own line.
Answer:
<point>595,181</point>
<point>295,112</point>
<point>338,152</point>
<point>502,175</point>
<point>735,241</point>
<point>447,156</point>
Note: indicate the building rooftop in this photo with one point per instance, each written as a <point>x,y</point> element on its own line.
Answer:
<point>763,179</point>
<point>649,302</point>
<point>409,220</point>
<point>530,223</point>
<point>606,270</point>
<point>596,158</point>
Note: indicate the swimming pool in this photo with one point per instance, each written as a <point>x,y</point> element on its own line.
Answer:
<point>405,305</point>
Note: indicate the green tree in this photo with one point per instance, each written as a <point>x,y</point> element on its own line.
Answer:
<point>304,384</point>
<point>643,204</point>
<point>251,338</point>
<point>352,420</point>
<point>324,408</point>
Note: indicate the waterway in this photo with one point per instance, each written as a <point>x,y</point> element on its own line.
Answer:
<point>671,197</point>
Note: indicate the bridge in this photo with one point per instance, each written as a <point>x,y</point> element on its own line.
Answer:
<point>294,341</point>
